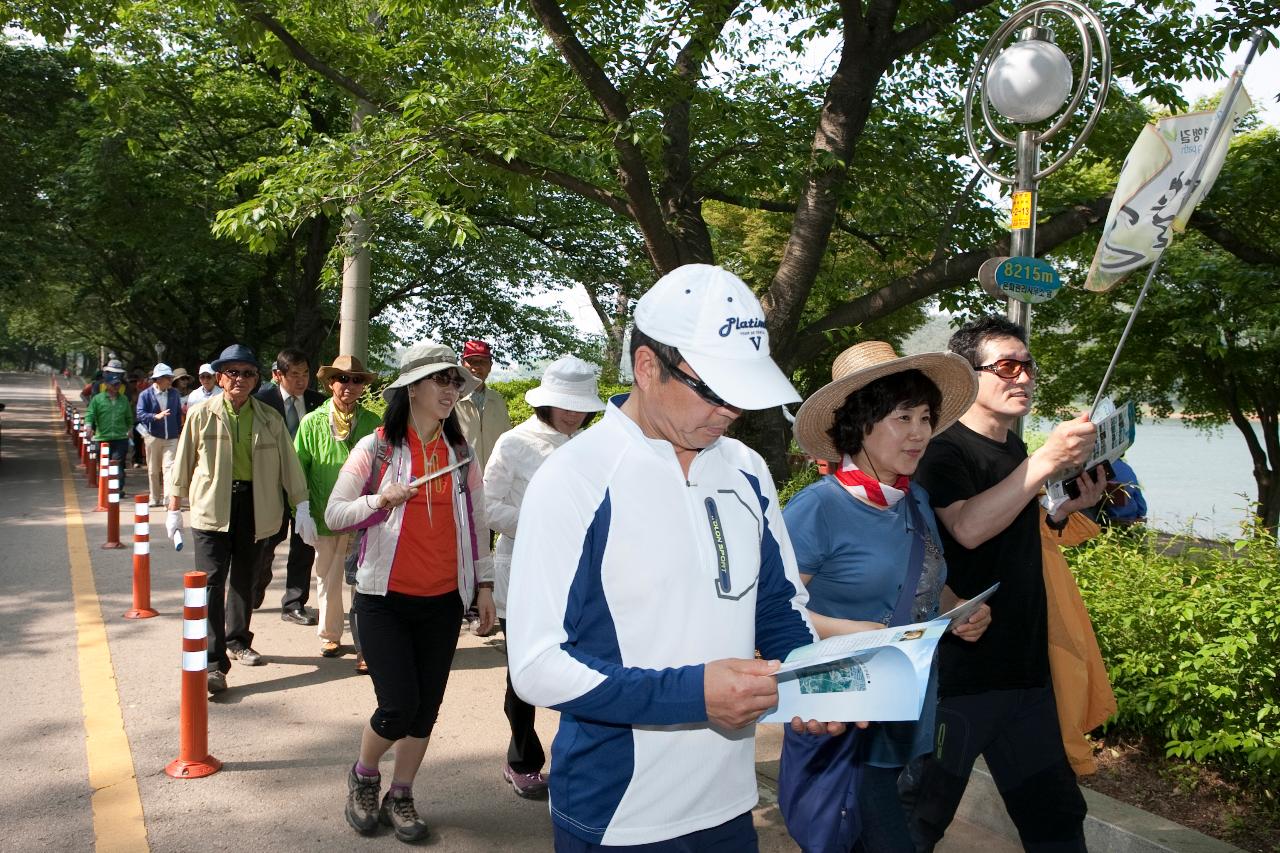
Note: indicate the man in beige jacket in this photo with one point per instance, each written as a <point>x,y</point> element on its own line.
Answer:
<point>234,462</point>
<point>482,413</point>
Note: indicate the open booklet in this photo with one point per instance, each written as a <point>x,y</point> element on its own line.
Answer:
<point>871,675</point>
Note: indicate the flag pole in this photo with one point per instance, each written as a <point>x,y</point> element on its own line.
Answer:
<point>1193,183</point>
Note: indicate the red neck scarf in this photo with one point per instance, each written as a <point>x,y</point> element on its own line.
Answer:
<point>868,488</point>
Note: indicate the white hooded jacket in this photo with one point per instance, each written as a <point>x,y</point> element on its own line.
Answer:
<point>517,454</point>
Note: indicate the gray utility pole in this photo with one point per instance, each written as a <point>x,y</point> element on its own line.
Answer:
<point>353,316</point>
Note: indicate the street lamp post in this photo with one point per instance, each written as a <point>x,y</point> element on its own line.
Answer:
<point>1027,78</point>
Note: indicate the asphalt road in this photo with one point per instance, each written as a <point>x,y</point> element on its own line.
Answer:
<point>286,732</point>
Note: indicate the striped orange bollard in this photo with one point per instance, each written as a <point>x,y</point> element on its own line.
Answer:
<point>193,759</point>
<point>103,458</point>
<point>141,559</point>
<point>113,508</point>
<point>93,472</point>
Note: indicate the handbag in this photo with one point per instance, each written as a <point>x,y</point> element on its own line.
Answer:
<point>818,777</point>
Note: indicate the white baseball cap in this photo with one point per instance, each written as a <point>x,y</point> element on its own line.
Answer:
<point>716,322</point>
<point>206,368</point>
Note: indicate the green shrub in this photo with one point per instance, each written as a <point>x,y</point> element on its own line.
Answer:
<point>806,475</point>
<point>1191,643</point>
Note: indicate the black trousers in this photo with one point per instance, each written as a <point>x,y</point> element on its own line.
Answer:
<point>233,556</point>
<point>524,751</point>
<point>117,452</point>
<point>408,642</point>
<point>297,578</point>
<point>1017,732</point>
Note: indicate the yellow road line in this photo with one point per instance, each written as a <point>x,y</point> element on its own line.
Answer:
<point>118,824</point>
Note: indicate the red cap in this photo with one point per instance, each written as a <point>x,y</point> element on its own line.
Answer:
<point>472,349</point>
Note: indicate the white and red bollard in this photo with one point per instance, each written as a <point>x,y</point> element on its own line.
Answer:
<point>113,508</point>
<point>193,759</point>
<point>102,457</point>
<point>141,559</point>
<point>92,472</point>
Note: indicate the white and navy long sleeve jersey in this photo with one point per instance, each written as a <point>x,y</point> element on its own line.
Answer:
<point>626,579</point>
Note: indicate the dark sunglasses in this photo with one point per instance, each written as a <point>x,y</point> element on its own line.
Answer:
<point>696,385</point>
<point>241,374</point>
<point>350,380</point>
<point>446,378</point>
<point>1010,368</point>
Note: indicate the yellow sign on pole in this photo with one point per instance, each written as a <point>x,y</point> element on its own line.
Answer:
<point>1021,211</point>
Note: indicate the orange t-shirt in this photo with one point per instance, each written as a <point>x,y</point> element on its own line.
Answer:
<point>426,561</point>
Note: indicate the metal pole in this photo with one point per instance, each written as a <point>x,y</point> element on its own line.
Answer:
<point>1022,241</point>
<point>353,332</point>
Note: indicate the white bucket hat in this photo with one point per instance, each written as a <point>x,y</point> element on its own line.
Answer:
<point>568,383</point>
<point>160,370</point>
<point>717,323</point>
<point>421,360</point>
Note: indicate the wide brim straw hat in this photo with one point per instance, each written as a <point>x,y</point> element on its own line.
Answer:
<point>347,364</point>
<point>864,363</point>
<point>421,360</point>
<point>568,383</point>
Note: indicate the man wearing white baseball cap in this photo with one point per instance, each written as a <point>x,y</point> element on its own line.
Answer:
<point>208,386</point>
<point>651,564</point>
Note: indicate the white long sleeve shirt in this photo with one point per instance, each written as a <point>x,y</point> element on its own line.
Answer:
<point>517,454</point>
<point>626,579</point>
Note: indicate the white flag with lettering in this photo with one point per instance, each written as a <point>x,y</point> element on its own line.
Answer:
<point>1149,199</point>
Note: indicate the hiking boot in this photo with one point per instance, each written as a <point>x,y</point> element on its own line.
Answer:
<point>531,786</point>
<point>399,814</point>
<point>217,682</point>
<point>362,801</point>
<point>246,656</point>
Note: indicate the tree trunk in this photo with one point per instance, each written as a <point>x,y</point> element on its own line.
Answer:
<point>1268,498</point>
<point>767,432</point>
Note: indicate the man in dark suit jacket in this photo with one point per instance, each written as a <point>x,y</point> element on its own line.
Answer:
<point>291,396</point>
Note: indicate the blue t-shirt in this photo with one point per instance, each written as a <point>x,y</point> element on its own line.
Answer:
<point>858,557</point>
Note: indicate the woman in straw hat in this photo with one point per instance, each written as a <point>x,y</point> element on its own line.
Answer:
<point>414,487</point>
<point>563,404</point>
<point>325,438</point>
<point>867,543</point>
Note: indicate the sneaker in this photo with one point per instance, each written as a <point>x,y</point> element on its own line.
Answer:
<point>330,649</point>
<point>246,656</point>
<point>531,786</point>
<point>399,814</point>
<point>362,801</point>
<point>217,682</point>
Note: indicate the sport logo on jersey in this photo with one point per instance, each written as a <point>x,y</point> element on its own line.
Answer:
<point>753,328</point>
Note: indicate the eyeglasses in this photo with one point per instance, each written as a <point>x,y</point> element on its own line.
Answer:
<point>240,374</point>
<point>697,385</point>
<point>350,380</point>
<point>1009,369</point>
<point>446,378</point>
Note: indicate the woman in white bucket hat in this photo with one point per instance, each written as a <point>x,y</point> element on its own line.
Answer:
<point>563,404</point>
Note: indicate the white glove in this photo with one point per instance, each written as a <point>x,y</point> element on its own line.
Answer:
<point>304,525</point>
<point>173,522</point>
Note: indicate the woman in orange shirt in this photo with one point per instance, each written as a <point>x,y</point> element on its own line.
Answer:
<point>424,552</point>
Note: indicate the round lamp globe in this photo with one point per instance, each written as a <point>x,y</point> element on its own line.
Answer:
<point>1029,81</point>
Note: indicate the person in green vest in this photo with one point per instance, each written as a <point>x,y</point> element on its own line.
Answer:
<point>110,416</point>
<point>325,437</point>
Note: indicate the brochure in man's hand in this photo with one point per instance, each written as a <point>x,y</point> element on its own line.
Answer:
<point>870,675</point>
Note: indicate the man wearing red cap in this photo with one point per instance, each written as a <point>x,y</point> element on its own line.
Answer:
<point>483,412</point>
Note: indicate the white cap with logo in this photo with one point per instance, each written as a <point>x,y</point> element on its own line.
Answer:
<point>717,323</point>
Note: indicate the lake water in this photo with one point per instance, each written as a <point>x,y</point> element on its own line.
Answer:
<point>1193,481</point>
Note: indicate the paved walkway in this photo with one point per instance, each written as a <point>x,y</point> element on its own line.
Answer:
<point>91,717</point>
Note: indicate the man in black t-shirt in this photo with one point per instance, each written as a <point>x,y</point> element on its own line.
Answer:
<point>996,699</point>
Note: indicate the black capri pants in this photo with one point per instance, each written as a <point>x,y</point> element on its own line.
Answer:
<point>408,642</point>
